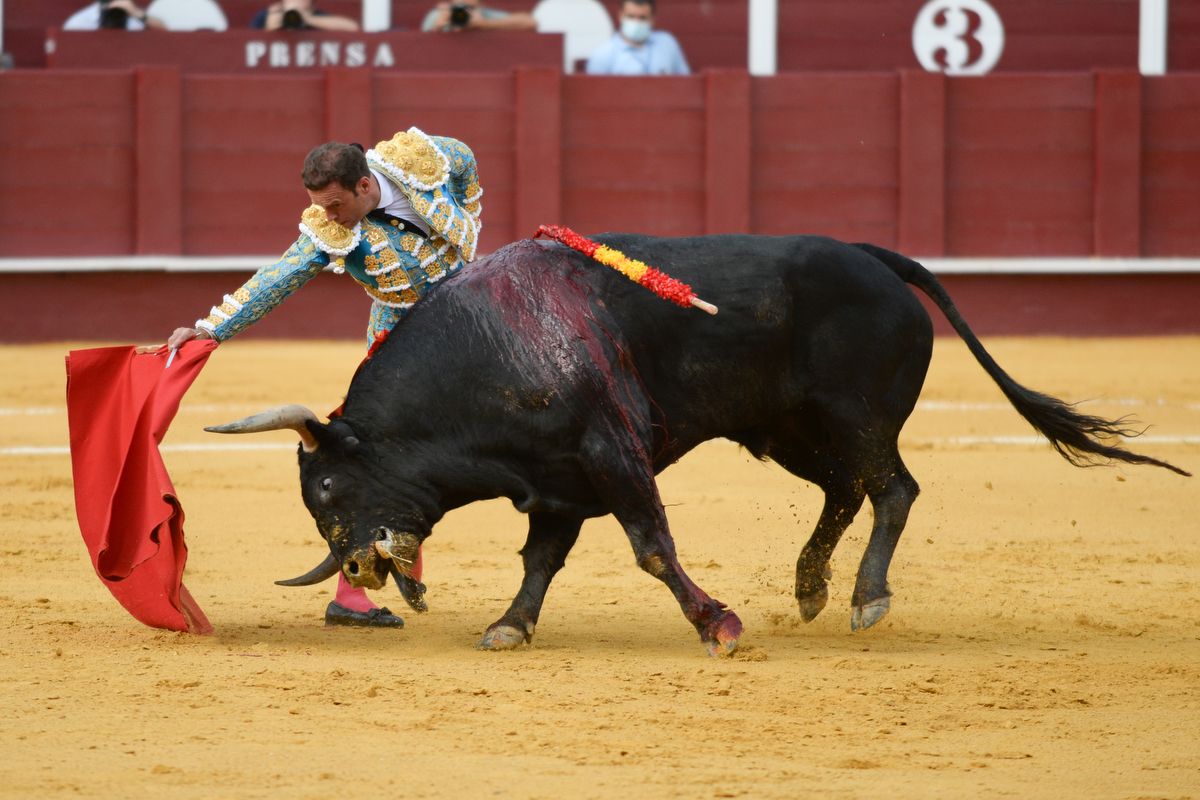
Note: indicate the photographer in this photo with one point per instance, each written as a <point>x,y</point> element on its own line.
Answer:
<point>300,15</point>
<point>114,15</point>
<point>471,15</point>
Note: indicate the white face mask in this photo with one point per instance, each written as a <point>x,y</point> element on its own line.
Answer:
<point>635,30</point>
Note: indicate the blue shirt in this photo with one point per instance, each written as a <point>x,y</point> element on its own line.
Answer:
<point>658,55</point>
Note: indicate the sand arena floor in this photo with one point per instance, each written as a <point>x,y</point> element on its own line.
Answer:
<point>1044,639</point>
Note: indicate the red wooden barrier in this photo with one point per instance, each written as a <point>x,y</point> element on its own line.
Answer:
<point>1069,164</point>
<point>145,307</point>
<point>1170,165</point>
<point>825,155</point>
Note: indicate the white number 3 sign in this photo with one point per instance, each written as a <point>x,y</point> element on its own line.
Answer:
<point>958,37</point>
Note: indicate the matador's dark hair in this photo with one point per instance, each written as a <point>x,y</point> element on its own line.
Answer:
<point>332,162</point>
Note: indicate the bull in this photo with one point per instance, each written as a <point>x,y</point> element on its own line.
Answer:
<point>540,376</point>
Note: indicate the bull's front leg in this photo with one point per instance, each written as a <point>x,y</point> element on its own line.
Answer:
<point>550,538</point>
<point>625,482</point>
<point>719,628</point>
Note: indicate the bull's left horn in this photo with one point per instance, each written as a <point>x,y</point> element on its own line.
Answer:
<point>276,419</point>
<point>326,569</point>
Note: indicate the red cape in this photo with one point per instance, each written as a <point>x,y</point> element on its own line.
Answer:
<point>119,405</point>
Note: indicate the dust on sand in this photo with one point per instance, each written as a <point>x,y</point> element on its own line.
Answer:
<point>1044,639</point>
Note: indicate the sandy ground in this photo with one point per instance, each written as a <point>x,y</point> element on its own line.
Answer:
<point>1044,640</point>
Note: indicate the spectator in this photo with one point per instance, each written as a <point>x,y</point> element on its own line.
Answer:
<point>472,15</point>
<point>636,48</point>
<point>114,14</point>
<point>300,15</point>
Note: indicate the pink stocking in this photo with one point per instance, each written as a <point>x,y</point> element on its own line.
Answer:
<point>349,597</point>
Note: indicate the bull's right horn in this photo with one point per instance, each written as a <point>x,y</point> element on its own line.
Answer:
<point>275,419</point>
<point>326,569</point>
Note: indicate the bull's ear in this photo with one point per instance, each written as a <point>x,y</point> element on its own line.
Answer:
<point>337,436</point>
<point>325,437</point>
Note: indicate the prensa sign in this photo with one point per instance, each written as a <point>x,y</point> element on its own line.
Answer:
<point>297,51</point>
<point>283,54</point>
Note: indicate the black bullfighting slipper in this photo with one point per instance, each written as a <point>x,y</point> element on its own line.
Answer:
<point>336,614</point>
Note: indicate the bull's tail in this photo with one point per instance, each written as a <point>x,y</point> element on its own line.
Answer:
<point>1081,439</point>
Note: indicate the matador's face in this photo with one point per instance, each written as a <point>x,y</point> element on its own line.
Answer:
<point>344,206</point>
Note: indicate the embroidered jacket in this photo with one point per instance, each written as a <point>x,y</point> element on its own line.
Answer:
<point>437,175</point>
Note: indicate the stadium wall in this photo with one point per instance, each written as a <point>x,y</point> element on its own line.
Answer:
<point>152,162</point>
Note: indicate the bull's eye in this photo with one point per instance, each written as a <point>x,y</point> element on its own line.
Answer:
<point>326,484</point>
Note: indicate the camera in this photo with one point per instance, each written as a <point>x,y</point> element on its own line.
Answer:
<point>460,15</point>
<point>292,20</point>
<point>112,18</point>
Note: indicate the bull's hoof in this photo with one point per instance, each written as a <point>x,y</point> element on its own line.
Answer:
<point>812,593</point>
<point>813,603</point>
<point>722,638</point>
<point>503,637</point>
<point>868,614</point>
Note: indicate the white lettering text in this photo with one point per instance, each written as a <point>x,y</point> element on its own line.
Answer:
<point>254,53</point>
<point>383,56</point>
<point>330,53</point>
<point>279,54</point>
<point>306,54</point>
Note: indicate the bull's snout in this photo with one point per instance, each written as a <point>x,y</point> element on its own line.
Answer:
<point>364,569</point>
<point>401,549</point>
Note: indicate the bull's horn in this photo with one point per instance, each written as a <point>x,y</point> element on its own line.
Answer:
<point>326,569</point>
<point>412,591</point>
<point>275,419</point>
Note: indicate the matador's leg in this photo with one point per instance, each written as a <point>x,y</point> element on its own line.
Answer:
<point>354,600</point>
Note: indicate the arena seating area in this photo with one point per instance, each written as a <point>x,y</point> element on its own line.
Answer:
<point>813,34</point>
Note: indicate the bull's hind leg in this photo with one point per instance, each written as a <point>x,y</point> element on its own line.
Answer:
<point>812,567</point>
<point>550,538</point>
<point>892,495</point>
<point>624,480</point>
<point>843,498</point>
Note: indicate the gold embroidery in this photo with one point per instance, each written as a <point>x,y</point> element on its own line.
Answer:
<point>394,279</point>
<point>375,237</point>
<point>335,237</point>
<point>415,157</point>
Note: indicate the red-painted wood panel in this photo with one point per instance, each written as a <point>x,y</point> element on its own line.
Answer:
<point>72,134</point>
<point>1183,36</point>
<point>633,154</point>
<point>877,34</point>
<point>474,108</point>
<point>1024,161</point>
<point>244,142</point>
<point>130,307</point>
<point>1171,165</point>
<point>825,155</point>
<point>1019,165</point>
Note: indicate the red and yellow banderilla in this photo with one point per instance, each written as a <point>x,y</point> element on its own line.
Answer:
<point>639,272</point>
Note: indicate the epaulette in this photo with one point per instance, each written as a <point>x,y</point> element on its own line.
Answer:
<point>411,158</point>
<point>328,236</point>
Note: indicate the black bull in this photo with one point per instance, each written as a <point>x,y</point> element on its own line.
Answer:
<point>541,376</point>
